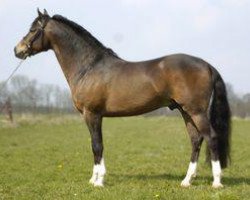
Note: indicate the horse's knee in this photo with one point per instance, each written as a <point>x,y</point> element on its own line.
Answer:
<point>97,147</point>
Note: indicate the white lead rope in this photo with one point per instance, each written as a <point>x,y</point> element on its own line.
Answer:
<point>14,71</point>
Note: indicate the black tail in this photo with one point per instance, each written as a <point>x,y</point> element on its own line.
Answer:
<point>220,118</point>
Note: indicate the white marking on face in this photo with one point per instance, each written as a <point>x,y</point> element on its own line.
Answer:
<point>99,171</point>
<point>216,169</point>
<point>40,23</point>
<point>20,47</point>
<point>191,172</point>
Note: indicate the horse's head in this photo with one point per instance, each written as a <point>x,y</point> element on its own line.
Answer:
<point>35,41</point>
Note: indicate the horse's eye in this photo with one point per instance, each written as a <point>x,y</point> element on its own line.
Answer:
<point>32,30</point>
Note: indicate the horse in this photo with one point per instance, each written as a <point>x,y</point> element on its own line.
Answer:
<point>104,85</point>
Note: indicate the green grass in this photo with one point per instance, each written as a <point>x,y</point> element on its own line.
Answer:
<point>146,158</point>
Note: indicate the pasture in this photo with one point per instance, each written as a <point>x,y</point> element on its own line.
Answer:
<point>50,157</point>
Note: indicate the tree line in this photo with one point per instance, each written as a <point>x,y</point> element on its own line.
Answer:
<point>29,96</point>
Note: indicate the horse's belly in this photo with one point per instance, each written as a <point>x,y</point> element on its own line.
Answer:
<point>134,105</point>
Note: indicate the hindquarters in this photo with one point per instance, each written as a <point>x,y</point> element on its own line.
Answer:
<point>199,93</point>
<point>189,82</point>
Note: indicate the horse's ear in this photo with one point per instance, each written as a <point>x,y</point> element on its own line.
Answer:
<point>45,12</point>
<point>39,13</point>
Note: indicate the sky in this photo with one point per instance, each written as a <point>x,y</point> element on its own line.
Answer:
<point>217,31</point>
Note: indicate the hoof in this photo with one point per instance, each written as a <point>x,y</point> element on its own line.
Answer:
<point>96,184</point>
<point>92,181</point>
<point>185,184</point>
<point>217,185</point>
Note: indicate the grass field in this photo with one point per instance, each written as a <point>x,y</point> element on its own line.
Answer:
<point>146,158</point>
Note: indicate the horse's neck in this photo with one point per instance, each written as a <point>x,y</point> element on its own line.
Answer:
<point>73,53</point>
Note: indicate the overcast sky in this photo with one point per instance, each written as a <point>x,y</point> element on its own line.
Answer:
<point>215,30</point>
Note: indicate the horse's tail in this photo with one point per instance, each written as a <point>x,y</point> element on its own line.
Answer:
<point>220,119</point>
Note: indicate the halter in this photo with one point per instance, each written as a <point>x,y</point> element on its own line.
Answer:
<point>40,31</point>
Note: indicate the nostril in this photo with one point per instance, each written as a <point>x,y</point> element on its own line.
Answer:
<point>15,50</point>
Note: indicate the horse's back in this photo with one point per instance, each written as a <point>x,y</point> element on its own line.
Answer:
<point>156,83</point>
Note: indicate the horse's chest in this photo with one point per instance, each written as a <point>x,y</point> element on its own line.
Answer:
<point>89,98</point>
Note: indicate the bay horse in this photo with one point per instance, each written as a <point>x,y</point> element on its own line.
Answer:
<point>104,85</point>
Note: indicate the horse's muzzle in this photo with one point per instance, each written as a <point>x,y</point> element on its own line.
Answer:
<point>20,54</point>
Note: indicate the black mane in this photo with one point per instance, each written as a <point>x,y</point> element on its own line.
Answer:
<point>82,32</point>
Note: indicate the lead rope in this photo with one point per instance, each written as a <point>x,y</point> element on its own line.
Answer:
<point>13,72</point>
<point>5,82</point>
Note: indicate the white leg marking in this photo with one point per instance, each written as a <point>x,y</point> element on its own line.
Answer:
<point>190,173</point>
<point>99,171</point>
<point>216,168</point>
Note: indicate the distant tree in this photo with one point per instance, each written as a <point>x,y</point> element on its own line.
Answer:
<point>236,102</point>
<point>246,97</point>
<point>66,100</point>
<point>4,93</point>
<point>46,96</point>
<point>246,101</point>
<point>24,92</point>
<point>62,98</point>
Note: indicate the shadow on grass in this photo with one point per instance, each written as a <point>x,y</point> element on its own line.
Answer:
<point>123,178</point>
<point>234,181</point>
<point>228,181</point>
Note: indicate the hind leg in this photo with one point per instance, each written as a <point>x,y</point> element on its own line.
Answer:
<point>205,129</point>
<point>196,141</point>
<point>216,167</point>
